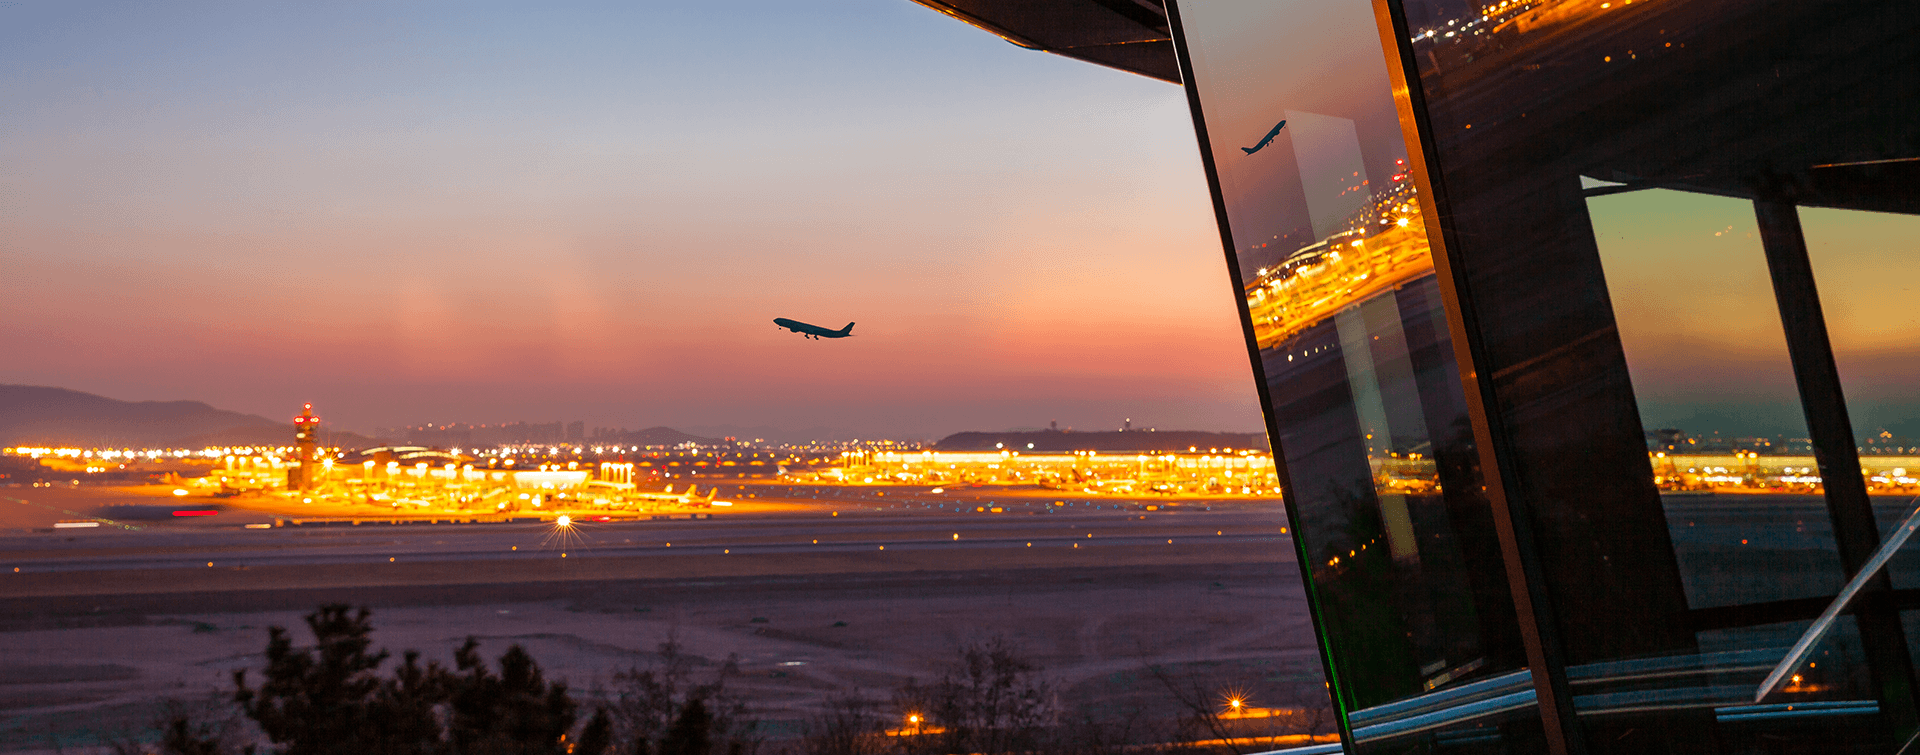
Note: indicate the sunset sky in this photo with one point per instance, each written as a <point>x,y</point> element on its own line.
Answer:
<point>485,213</point>
<point>1701,328</point>
<point>472,212</point>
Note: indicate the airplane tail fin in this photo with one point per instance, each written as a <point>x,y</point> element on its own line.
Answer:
<point>847,331</point>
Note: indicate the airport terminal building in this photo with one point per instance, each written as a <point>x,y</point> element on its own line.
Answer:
<point>1475,244</point>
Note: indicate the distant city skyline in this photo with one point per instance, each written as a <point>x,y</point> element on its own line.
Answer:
<point>583,431</point>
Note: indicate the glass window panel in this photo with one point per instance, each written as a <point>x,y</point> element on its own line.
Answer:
<point>1700,327</point>
<point>1863,262</point>
<point>1329,239</point>
<point>1827,705</point>
<point>1535,107</point>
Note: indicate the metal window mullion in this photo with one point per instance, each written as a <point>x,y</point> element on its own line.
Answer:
<point>1817,376</point>
<point>1512,518</point>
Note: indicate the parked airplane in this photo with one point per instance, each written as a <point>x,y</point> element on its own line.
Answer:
<point>692,496</point>
<point>812,331</point>
<point>1264,142</point>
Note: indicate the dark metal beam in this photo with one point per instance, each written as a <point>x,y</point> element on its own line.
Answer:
<point>1512,522</point>
<point>1835,452</point>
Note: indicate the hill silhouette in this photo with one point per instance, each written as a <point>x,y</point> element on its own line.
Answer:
<point>1054,441</point>
<point>654,436</point>
<point>32,415</point>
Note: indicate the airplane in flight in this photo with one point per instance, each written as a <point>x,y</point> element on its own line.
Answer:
<point>813,331</point>
<point>1264,142</point>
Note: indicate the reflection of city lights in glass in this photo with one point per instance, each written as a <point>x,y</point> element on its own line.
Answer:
<point>1348,267</point>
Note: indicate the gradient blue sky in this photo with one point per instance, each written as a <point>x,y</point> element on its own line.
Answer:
<point>479,212</point>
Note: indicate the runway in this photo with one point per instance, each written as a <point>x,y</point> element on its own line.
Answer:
<point>102,623</point>
<point>108,549</point>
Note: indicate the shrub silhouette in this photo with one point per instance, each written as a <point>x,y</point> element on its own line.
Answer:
<point>516,712</point>
<point>691,733</point>
<point>332,699</point>
<point>596,738</point>
<point>851,725</point>
<point>653,709</point>
<point>991,700</point>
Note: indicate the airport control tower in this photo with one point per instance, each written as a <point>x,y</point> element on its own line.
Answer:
<point>306,435</point>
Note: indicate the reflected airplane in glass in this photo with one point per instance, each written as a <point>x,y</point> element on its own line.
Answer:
<point>1266,141</point>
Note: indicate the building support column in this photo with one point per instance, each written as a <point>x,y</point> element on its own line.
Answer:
<point>1837,455</point>
<point>1526,577</point>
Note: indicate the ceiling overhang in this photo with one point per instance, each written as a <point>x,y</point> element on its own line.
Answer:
<point>1131,35</point>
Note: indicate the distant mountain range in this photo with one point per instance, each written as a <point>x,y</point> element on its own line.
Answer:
<point>33,415</point>
<point>652,436</point>
<point>1114,441</point>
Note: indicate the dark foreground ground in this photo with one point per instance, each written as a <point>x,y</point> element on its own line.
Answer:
<point>96,630</point>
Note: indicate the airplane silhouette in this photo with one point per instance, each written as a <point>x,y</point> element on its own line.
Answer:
<point>813,331</point>
<point>692,496</point>
<point>1264,142</point>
